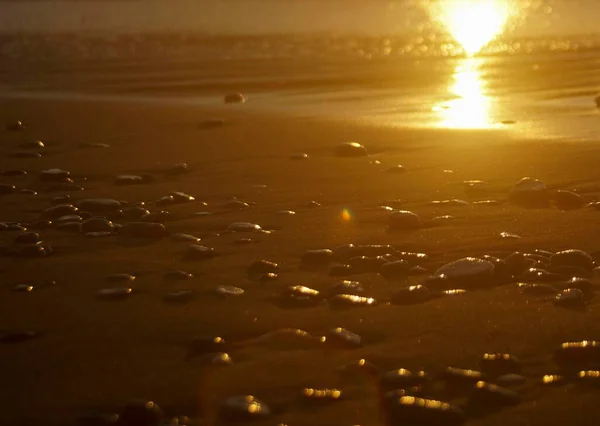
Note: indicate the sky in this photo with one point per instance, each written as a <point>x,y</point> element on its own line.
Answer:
<point>264,16</point>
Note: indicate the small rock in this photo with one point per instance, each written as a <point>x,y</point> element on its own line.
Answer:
<point>117,293</point>
<point>553,379</point>
<point>177,275</point>
<point>99,205</point>
<point>321,395</point>
<point>27,238</point>
<point>15,127</point>
<point>397,169</point>
<point>572,257</point>
<point>509,236</point>
<point>243,408</point>
<point>23,288</point>
<point>299,156</point>
<point>410,410</point>
<point>497,364</point>
<point>58,211</point>
<point>185,238</point>
<point>395,271</point>
<point>570,298</point>
<point>469,272</point>
<point>316,258</point>
<point>341,337</point>
<point>566,200</point>
<point>530,193</point>
<point>234,98</point>
<point>402,378</point>
<point>32,145</point>
<point>199,252</point>
<point>487,396</point>
<point>578,354</point>
<point>411,295</point>
<point>345,300</point>
<point>54,175</point>
<point>227,290</point>
<point>97,224</point>
<point>404,220</point>
<point>121,277</point>
<point>262,267</point>
<point>350,149</point>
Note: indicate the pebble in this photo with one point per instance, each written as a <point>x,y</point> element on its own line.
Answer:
<point>121,277</point>
<point>321,395</point>
<point>97,224</point>
<point>32,145</point>
<point>144,230</point>
<point>285,212</point>
<point>453,376</point>
<point>530,193</point>
<point>58,211</point>
<point>404,220</point>
<point>537,289</point>
<point>98,205</point>
<point>397,169</point>
<point>69,227</point>
<point>141,413</point>
<point>299,156</point>
<point>15,127</point>
<point>13,173</point>
<point>177,275</point>
<point>7,188</point>
<point>180,296</point>
<point>469,272</point>
<point>489,396</point>
<point>570,298</point>
<point>410,410</point>
<point>156,217</point>
<point>24,154</point>
<point>572,257</point>
<point>243,408</point>
<point>553,379</point>
<point>135,212</point>
<point>350,149</point>
<point>510,380</point>
<point>411,295</point>
<point>299,295</point>
<point>402,378</point>
<point>262,267</point>
<point>316,258</point>
<point>206,345</point>
<point>577,354</point>
<point>566,200</point>
<point>27,238</point>
<point>498,364</point>
<point>589,377</point>
<point>234,98</point>
<point>128,180</point>
<point>227,290</point>
<point>199,252</point>
<point>94,145</point>
<point>186,238</point>
<point>452,203</point>
<point>34,251</point>
<point>23,288</point>
<point>54,175</point>
<point>244,227</point>
<point>116,293</point>
<point>509,236</point>
<point>235,205</point>
<point>343,300</point>
<point>346,287</point>
<point>398,270</point>
<point>340,337</point>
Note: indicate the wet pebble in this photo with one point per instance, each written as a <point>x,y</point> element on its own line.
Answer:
<point>234,98</point>
<point>451,203</point>
<point>589,377</point>
<point>509,236</point>
<point>7,188</point>
<point>98,205</point>
<point>33,251</point>
<point>227,290</point>
<point>402,378</point>
<point>24,154</point>
<point>572,257</point>
<point>350,149</point>
<point>122,277</point>
<point>398,270</point>
<point>410,410</point>
<point>15,127</point>
<point>177,275</point>
<point>510,380</point>
<point>469,272</point>
<point>262,266</point>
<point>32,145</point>
<point>553,380</point>
<point>144,230</point>
<point>58,211</point>
<point>94,145</point>
<point>129,180</point>
<point>350,300</point>
<point>397,169</point>
<point>578,354</point>
<point>185,238</point>
<point>116,293</point>
<point>243,408</point>
<point>299,295</point>
<point>23,288</point>
<point>460,377</point>
<point>199,252</point>
<point>96,224</point>
<point>497,364</point>
<point>27,238</point>
<point>313,395</point>
<point>530,193</point>
<point>567,200</point>
<point>299,156</point>
<point>316,258</point>
<point>404,220</point>
<point>570,298</point>
<point>74,227</point>
<point>135,212</point>
<point>341,337</point>
<point>54,175</point>
<point>244,227</point>
<point>490,397</point>
<point>346,287</point>
<point>411,295</point>
<point>537,289</point>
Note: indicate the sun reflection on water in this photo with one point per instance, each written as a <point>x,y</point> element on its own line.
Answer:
<point>470,106</point>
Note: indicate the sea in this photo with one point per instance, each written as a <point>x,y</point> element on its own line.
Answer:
<point>385,63</point>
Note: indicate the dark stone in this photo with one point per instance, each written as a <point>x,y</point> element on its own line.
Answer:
<point>141,413</point>
<point>99,205</point>
<point>397,169</point>
<point>539,276</point>
<point>437,283</point>
<point>34,251</point>
<point>54,175</point>
<point>234,98</point>
<point>530,193</point>
<point>97,224</point>
<point>411,295</point>
<point>6,188</point>
<point>26,191</point>
<point>572,271</point>
<point>395,271</point>
<point>299,296</point>
<point>32,145</point>
<point>583,284</point>
<point>24,154</point>
<point>69,227</point>
<point>346,287</point>
<point>498,364</point>
<point>469,272</point>
<point>589,377</point>
<point>135,212</point>
<point>116,293</point>
<point>27,238</point>
<point>177,275</point>
<point>350,149</point>
<point>13,173</point>
<point>144,230</point>
<point>245,407</point>
<point>59,210</point>
<point>460,378</point>
<point>537,289</point>
<point>207,345</point>
<point>180,296</point>
<point>410,410</point>
<point>578,355</point>
<point>156,217</point>
<point>15,127</point>
<point>366,265</point>
<point>40,224</point>
<point>402,378</point>
<point>198,252</point>
<point>572,257</point>
<point>517,263</point>
<point>341,271</point>
<point>178,169</point>
<point>341,338</point>
<point>402,220</point>
<point>299,156</point>
<point>321,396</point>
<point>570,298</point>
<point>262,267</point>
<point>501,272</point>
<point>316,258</point>
<point>566,200</point>
<point>351,300</point>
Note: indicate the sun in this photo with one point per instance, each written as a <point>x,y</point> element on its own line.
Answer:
<point>472,23</point>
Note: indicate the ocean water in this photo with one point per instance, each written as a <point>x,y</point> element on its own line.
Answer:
<point>389,63</point>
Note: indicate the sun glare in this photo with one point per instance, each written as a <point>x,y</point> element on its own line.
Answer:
<point>472,23</point>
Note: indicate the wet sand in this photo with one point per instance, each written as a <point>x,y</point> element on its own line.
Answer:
<point>96,354</point>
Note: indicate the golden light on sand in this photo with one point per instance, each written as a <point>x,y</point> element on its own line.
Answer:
<point>346,215</point>
<point>470,107</point>
<point>472,23</point>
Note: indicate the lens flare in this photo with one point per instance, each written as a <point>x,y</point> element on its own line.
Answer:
<point>472,23</point>
<point>346,215</point>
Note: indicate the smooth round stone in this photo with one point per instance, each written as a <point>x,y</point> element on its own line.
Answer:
<point>341,337</point>
<point>288,339</point>
<point>567,200</point>
<point>141,413</point>
<point>285,212</point>
<point>530,193</point>
<point>350,149</point>
<point>341,271</point>
<point>156,217</point>
<point>583,284</point>
<point>539,276</point>
<point>54,175</point>
<point>180,296</point>
<point>69,218</point>
<point>553,379</point>
<point>510,380</point>
<point>235,205</point>
<point>371,250</point>
<point>417,270</point>
<point>572,272</point>
<point>537,289</point>
<point>349,300</point>
<point>24,154</point>
<point>452,203</point>
<point>411,295</point>
<point>178,169</point>
<point>99,205</point>
<point>14,227</point>
<point>199,252</point>
<point>346,287</point>
<point>94,145</point>
<point>144,230</point>
<point>395,271</point>
<point>402,378</point>
<point>469,272</point>
<point>497,364</point>
<point>177,275</point>
<point>26,191</point>
<point>415,259</point>
<point>299,295</point>
<point>321,395</point>
<point>453,292</point>
<point>32,145</point>
<point>486,203</point>
<point>397,169</point>
<point>244,408</point>
<point>69,227</point>
<point>121,277</point>
<point>185,238</point>
<point>316,258</point>
<point>97,224</point>
<point>410,410</point>
<point>65,186</point>
<point>270,276</point>
<point>227,290</point>
<point>181,197</point>
<point>453,376</point>
<point>244,227</point>
<point>489,396</point>
<point>98,234</point>
<point>516,263</point>
<point>404,220</point>
<point>23,288</point>
<point>262,267</point>
<point>116,293</point>
<point>313,204</point>
<point>570,298</point>
<point>578,354</point>
<point>12,173</point>
<point>15,127</point>
<point>509,236</point>
<point>206,345</point>
<point>34,251</point>
<point>366,265</point>
<point>211,123</point>
<point>234,98</point>
<point>59,210</point>
<point>299,156</point>
<point>128,180</point>
<point>572,257</point>
<point>135,212</point>
<point>221,358</point>
<point>6,188</point>
<point>27,238</point>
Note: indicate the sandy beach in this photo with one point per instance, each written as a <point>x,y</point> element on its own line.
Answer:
<point>98,355</point>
